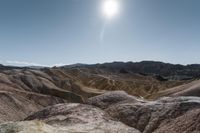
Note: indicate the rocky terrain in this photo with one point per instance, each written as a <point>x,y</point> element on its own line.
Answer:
<point>115,112</point>
<point>144,97</point>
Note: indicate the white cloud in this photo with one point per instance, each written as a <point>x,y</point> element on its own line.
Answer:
<point>58,64</point>
<point>23,63</point>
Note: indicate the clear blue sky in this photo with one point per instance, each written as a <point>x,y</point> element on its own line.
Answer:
<point>69,31</point>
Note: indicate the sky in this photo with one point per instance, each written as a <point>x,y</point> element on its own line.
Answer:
<point>58,32</point>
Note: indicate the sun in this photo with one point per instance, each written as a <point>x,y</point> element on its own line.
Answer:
<point>110,8</point>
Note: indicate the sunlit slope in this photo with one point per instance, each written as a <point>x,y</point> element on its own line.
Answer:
<point>98,81</point>
<point>190,89</point>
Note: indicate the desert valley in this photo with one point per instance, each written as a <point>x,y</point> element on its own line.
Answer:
<point>141,97</point>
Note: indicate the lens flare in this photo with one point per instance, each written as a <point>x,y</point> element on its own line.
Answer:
<point>110,8</point>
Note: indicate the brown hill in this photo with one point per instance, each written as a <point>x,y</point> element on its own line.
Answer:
<point>190,89</point>
<point>98,81</point>
<point>25,91</point>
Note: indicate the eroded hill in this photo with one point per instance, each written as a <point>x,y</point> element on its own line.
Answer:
<point>63,98</point>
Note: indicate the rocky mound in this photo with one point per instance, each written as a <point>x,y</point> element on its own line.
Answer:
<point>41,127</point>
<point>115,112</point>
<point>105,100</point>
<point>164,115</point>
<point>80,118</point>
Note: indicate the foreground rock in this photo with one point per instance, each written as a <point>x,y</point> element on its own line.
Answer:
<point>41,127</point>
<point>80,118</point>
<point>30,127</point>
<point>114,112</point>
<point>166,115</point>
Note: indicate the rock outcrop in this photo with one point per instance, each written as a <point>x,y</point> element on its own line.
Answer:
<point>115,112</point>
<point>80,118</point>
<point>105,100</point>
<point>163,115</point>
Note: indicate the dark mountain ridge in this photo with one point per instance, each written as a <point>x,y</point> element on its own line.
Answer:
<point>164,71</point>
<point>167,70</point>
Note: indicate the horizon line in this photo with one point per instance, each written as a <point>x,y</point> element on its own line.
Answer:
<point>31,64</point>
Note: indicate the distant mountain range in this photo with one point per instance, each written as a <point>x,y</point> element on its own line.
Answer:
<point>164,70</point>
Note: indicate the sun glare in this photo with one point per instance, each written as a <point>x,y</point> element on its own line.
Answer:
<point>110,8</point>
